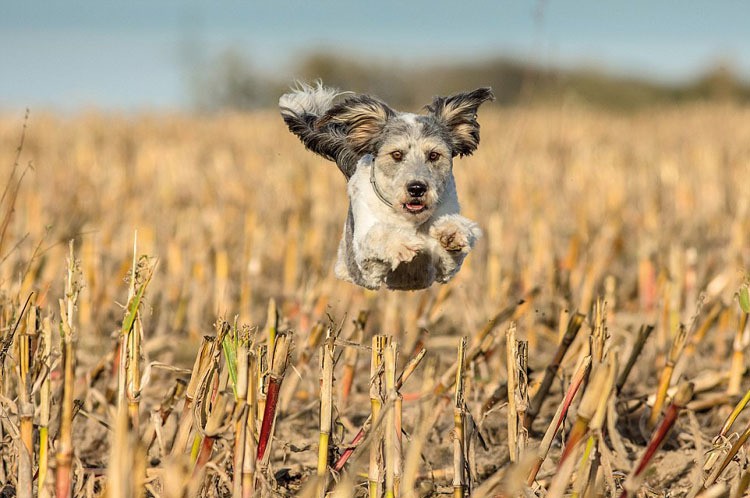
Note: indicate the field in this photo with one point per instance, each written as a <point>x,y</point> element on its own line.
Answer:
<point>596,227</point>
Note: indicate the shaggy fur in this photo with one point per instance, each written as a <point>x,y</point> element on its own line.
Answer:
<point>403,228</point>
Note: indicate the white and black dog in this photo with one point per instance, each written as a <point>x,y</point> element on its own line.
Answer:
<point>403,229</point>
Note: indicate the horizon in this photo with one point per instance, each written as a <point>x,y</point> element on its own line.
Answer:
<point>75,55</point>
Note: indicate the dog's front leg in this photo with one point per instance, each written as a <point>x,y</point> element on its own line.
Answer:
<point>382,250</point>
<point>455,237</point>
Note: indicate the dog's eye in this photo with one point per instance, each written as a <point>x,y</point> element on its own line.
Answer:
<point>433,156</point>
<point>397,155</point>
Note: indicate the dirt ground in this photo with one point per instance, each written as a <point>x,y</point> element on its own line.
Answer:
<point>646,214</point>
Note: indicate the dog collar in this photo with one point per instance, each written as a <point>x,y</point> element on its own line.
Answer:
<point>375,187</point>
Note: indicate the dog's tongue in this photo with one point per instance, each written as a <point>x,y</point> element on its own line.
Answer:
<point>414,207</point>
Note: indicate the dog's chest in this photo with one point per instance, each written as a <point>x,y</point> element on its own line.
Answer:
<point>368,210</point>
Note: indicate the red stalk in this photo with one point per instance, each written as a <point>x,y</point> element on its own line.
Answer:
<point>682,397</point>
<point>269,414</point>
<point>349,451</point>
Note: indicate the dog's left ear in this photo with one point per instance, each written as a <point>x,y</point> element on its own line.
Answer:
<point>458,113</point>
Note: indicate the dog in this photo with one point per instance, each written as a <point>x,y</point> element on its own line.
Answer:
<point>403,229</point>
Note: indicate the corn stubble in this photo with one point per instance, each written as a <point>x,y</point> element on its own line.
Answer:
<point>594,343</point>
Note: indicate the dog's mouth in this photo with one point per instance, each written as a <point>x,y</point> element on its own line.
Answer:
<point>415,206</point>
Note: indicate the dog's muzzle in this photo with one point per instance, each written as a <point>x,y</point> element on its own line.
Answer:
<point>416,190</point>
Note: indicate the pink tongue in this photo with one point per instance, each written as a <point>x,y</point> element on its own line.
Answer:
<point>414,207</point>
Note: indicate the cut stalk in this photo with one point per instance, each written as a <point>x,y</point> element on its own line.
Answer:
<point>64,456</point>
<point>211,431</point>
<point>405,374</point>
<point>585,466</point>
<point>586,410</point>
<point>211,389</point>
<point>574,325</point>
<point>678,344</point>
<point>391,426</point>
<point>25,398</point>
<point>379,343</point>
<point>733,416</point>
<point>681,399</point>
<point>398,449</point>
<point>522,396</point>
<point>126,464</point>
<point>326,409</point>
<point>45,395</point>
<point>131,314</point>
<point>735,377</point>
<point>511,347</point>
<point>414,451</point>
<point>229,346</point>
<point>591,455</point>
<point>729,456</point>
<point>303,360</point>
<point>160,417</point>
<point>597,422</point>
<point>643,334</point>
<point>743,485</point>
<point>409,368</point>
<point>700,333</point>
<point>499,394</point>
<point>240,425</point>
<point>26,359</point>
<point>581,371</point>
<point>599,334</point>
<point>248,458</point>
<point>459,456</point>
<point>131,336</point>
<point>352,445</point>
<point>275,378</point>
<point>484,338</point>
<point>200,367</point>
<point>262,364</point>
<point>135,338</point>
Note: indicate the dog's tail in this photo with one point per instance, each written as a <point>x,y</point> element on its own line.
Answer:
<point>302,108</point>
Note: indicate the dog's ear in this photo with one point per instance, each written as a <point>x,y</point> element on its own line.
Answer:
<point>360,119</point>
<point>302,108</point>
<point>458,113</point>
<point>341,132</point>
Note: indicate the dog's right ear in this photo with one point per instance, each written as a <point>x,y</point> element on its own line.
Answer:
<point>342,132</point>
<point>302,108</point>
<point>360,119</point>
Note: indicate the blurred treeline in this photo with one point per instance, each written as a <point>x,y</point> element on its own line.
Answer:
<point>231,82</point>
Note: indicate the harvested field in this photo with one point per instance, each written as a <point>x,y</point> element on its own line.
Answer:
<point>597,227</point>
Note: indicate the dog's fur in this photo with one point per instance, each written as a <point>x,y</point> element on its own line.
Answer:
<point>403,228</point>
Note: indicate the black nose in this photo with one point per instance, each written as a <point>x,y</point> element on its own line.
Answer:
<point>416,189</point>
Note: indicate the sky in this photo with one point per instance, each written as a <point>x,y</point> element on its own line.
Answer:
<point>139,54</point>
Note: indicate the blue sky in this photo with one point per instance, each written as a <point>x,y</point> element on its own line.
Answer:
<point>133,55</point>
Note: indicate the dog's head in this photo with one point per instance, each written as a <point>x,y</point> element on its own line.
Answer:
<point>412,153</point>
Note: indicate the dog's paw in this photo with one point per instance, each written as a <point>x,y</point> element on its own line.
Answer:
<point>455,234</point>
<point>454,240</point>
<point>403,251</point>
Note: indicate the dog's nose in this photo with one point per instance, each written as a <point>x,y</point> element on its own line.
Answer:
<point>416,189</point>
